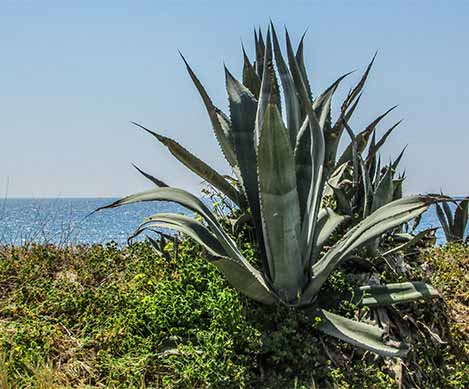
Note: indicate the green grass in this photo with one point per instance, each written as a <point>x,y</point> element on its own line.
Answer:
<point>100,316</point>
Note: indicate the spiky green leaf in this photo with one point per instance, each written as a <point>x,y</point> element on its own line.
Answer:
<point>299,56</point>
<point>375,148</point>
<point>358,88</point>
<point>222,132</point>
<point>362,138</point>
<point>250,78</point>
<point>198,166</point>
<point>292,105</point>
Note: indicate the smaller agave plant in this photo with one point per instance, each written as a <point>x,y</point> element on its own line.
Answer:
<point>281,169</point>
<point>454,226</point>
<point>359,185</point>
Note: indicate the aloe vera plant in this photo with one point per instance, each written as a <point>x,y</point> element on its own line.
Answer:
<point>454,226</point>
<point>280,169</point>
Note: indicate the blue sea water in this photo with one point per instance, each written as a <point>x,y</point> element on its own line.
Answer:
<point>65,221</point>
<point>68,220</point>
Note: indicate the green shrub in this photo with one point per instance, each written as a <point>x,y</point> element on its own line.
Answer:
<point>104,316</point>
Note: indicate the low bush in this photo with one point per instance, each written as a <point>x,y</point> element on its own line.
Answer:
<point>101,316</point>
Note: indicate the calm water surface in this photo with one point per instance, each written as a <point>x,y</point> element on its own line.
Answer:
<point>64,221</point>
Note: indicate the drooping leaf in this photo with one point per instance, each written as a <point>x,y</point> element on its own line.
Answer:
<point>243,280</point>
<point>194,204</point>
<point>236,273</point>
<point>188,201</point>
<point>187,225</point>
<point>359,334</point>
<point>380,295</point>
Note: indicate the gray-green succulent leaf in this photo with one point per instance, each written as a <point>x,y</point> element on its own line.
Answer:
<point>454,226</point>
<point>390,294</point>
<point>366,336</point>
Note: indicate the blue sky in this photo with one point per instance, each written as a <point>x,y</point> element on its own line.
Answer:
<point>73,74</point>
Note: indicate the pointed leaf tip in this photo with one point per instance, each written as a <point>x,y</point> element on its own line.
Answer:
<point>161,138</point>
<point>183,58</point>
<point>153,179</point>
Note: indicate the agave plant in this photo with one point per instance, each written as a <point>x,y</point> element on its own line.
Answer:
<point>280,169</point>
<point>454,226</point>
<point>253,74</point>
<point>358,182</point>
<point>359,185</point>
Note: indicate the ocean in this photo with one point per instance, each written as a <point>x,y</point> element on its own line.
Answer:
<point>64,221</point>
